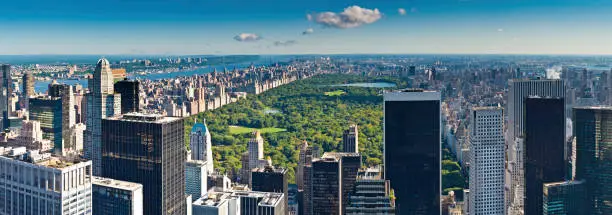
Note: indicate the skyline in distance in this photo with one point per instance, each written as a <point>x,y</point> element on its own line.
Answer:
<point>190,27</point>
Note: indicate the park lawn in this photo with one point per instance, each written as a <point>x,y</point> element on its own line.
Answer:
<point>243,130</point>
<point>335,93</point>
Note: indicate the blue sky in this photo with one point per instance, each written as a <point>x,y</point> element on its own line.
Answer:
<point>215,26</point>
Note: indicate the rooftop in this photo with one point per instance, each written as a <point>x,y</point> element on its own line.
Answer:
<point>270,169</point>
<point>44,159</point>
<point>599,107</point>
<point>216,199</point>
<point>339,155</point>
<point>109,182</point>
<point>144,117</point>
<point>487,108</point>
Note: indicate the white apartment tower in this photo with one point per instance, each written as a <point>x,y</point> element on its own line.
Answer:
<point>487,161</point>
<point>102,102</point>
<point>200,145</point>
<point>40,184</point>
<point>256,150</point>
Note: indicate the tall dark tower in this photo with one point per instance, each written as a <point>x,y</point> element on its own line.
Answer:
<point>327,186</point>
<point>5,93</point>
<point>130,102</point>
<point>412,150</point>
<point>592,126</point>
<point>545,159</point>
<point>270,179</point>
<point>28,87</point>
<point>149,150</point>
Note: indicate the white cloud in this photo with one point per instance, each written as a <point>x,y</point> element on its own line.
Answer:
<point>401,11</point>
<point>351,17</point>
<point>308,31</point>
<point>285,43</point>
<point>500,29</point>
<point>247,37</point>
<point>309,17</point>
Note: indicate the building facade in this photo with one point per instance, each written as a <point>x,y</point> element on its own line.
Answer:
<point>196,181</point>
<point>6,91</point>
<point>101,102</point>
<point>270,179</point>
<point>27,87</point>
<point>592,126</point>
<point>129,91</point>
<point>487,160</point>
<point>200,144</point>
<point>518,90</point>
<point>40,184</point>
<point>350,139</point>
<point>114,197</point>
<point>256,150</point>
<point>412,144</point>
<point>371,194</point>
<point>545,159</point>
<point>150,150</point>
<point>327,186</point>
<point>568,197</point>
<point>48,111</point>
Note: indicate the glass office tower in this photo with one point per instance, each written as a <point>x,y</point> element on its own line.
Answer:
<point>412,150</point>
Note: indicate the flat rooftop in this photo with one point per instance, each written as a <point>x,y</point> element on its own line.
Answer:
<point>117,184</point>
<point>339,155</point>
<point>216,199</point>
<point>41,159</point>
<point>145,117</point>
<point>597,107</point>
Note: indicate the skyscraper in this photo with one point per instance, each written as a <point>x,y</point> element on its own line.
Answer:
<point>350,164</point>
<point>114,197</point>
<point>545,159</point>
<point>305,158</point>
<point>200,144</point>
<point>28,87</point>
<point>129,89</point>
<point>371,194</point>
<point>518,90</point>
<point>412,149</point>
<point>256,150</point>
<point>5,92</point>
<point>567,197</point>
<point>48,111</point>
<point>350,139</point>
<point>150,150</point>
<point>327,186</point>
<point>487,160</point>
<point>270,179</point>
<point>101,103</point>
<point>34,183</point>
<point>196,178</point>
<point>592,126</point>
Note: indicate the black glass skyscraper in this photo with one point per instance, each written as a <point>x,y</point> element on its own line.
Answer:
<point>57,90</point>
<point>129,95</point>
<point>412,150</point>
<point>48,111</point>
<point>544,148</point>
<point>5,93</point>
<point>593,132</point>
<point>327,186</point>
<point>270,179</point>
<point>150,150</point>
